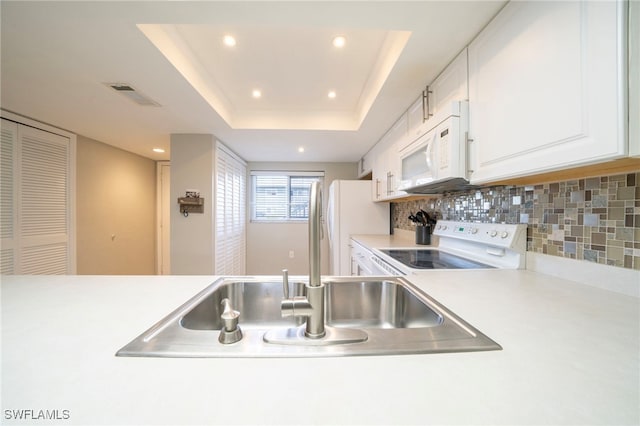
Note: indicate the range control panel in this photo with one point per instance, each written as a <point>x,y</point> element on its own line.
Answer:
<point>493,234</point>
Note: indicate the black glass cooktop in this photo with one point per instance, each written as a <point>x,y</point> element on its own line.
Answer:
<point>432,259</point>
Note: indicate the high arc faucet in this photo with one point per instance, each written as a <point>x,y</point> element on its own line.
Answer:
<point>311,306</point>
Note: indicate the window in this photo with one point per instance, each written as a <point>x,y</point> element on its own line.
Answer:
<point>281,196</point>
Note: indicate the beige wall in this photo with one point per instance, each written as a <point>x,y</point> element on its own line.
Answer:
<point>192,237</point>
<point>116,210</point>
<point>268,244</point>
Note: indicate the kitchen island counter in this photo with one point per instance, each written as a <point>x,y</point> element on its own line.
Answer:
<point>571,355</point>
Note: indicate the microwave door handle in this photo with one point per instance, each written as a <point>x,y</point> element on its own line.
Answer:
<point>428,155</point>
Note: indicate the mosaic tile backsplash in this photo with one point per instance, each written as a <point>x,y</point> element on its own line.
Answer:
<point>596,219</point>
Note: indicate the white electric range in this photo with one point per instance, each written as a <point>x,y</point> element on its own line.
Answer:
<point>461,245</point>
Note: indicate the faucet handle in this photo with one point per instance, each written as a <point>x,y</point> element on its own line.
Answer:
<point>285,283</point>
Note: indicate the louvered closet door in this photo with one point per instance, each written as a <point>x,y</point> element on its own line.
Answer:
<point>8,218</point>
<point>35,203</point>
<point>43,202</point>
<point>230,214</point>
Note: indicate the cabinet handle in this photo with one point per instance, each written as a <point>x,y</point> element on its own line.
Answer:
<point>387,183</point>
<point>467,141</point>
<point>426,107</point>
<point>390,183</point>
<point>377,188</point>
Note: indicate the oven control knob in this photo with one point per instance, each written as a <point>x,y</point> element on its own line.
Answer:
<point>474,230</point>
<point>444,227</point>
<point>504,234</point>
<point>493,233</point>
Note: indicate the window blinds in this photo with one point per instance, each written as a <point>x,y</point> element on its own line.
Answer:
<point>230,225</point>
<point>281,196</point>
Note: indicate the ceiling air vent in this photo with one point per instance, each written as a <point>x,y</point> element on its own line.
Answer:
<point>130,92</point>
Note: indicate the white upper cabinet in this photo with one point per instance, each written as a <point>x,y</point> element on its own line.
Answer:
<point>365,165</point>
<point>450,85</point>
<point>547,88</point>
<point>398,137</point>
<point>378,171</point>
<point>386,173</point>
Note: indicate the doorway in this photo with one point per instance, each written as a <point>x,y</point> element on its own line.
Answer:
<point>163,255</point>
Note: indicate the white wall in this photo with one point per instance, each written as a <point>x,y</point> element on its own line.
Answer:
<point>192,238</point>
<point>268,244</point>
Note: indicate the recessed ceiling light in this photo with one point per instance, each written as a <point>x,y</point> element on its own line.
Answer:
<point>301,149</point>
<point>332,94</point>
<point>229,40</point>
<point>339,41</point>
<point>158,150</point>
<point>256,93</point>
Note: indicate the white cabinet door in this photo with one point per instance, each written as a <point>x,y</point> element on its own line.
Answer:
<point>365,165</point>
<point>546,89</point>
<point>383,168</point>
<point>378,171</point>
<point>397,137</point>
<point>360,260</point>
<point>387,166</point>
<point>394,174</point>
<point>450,86</point>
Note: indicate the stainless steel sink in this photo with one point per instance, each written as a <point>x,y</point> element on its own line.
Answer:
<point>394,316</point>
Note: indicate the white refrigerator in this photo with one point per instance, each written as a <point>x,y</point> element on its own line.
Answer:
<point>351,211</point>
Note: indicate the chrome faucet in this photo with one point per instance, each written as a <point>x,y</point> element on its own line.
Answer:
<point>311,306</point>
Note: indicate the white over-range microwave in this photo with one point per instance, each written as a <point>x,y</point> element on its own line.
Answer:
<point>436,162</point>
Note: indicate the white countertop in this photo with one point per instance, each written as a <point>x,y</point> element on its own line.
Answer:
<point>401,238</point>
<point>571,356</point>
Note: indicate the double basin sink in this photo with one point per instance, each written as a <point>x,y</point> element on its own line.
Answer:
<point>393,316</point>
